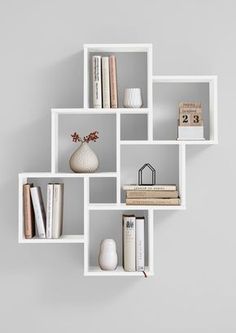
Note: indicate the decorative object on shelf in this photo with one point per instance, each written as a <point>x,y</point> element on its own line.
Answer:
<point>153,174</point>
<point>190,121</point>
<point>133,98</point>
<point>108,258</point>
<point>84,158</point>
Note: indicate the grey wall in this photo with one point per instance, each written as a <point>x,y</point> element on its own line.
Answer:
<point>42,287</point>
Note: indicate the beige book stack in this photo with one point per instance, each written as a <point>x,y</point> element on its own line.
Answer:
<point>162,195</point>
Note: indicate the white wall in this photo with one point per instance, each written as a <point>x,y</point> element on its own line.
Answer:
<point>42,288</point>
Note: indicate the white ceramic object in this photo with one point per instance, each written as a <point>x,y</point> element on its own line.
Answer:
<point>108,258</point>
<point>84,159</point>
<point>133,98</point>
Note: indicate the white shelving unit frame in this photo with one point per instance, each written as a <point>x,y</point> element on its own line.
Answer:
<point>148,112</point>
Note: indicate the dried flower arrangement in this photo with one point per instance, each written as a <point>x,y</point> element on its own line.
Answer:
<point>93,136</point>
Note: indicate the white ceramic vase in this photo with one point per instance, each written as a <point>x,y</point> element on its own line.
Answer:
<point>108,258</point>
<point>84,159</point>
<point>132,98</point>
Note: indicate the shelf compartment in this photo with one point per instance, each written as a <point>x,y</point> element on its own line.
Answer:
<point>134,69</point>
<point>133,127</point>
<point>102,190</point>
<point>169,162</point>
<point>63,147</point>
<point>73,216</point>
<point>169,91</point>
<point>108,224</point>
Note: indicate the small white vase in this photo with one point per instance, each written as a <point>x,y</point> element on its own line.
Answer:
<point>84,159</point>
<point>108,258</point>
<point>133,98</point>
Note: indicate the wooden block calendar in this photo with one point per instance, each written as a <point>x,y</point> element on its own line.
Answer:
<point>190,121</point>
<point>190,114</point>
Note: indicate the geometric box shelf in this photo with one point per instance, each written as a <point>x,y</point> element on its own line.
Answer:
<point>152,139</point>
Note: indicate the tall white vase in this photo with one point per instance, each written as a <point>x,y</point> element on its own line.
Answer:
<point>108,258</point>
<point>84,159</point>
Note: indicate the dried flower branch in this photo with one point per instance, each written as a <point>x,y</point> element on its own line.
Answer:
<point>93,136</point>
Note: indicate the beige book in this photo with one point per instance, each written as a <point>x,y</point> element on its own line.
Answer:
<point>156,201</point>
<point>28,212</point>
<point>105,83</point>
<point>152,194</point>
<point>113,81</point>
<point>57,213</point>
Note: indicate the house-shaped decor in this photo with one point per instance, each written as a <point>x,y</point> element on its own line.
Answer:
<point>152,174</point>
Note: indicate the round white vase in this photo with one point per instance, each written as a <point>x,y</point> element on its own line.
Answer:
<point>132,98</point>
<point>84,159</point>
<point>108,258</point>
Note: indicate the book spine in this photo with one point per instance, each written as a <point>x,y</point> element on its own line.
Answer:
<point>49,210</point>
<point>140,250</point>
<point>156,201</point>
<point>129,243</point>
<point>58,193</point>
<point>97,82</point>
<point>149,188</point>
<point>105,83</point>
<point>28,212</point>
<point>152,194</point>
<point>38,210</point>
<point>113,82</point>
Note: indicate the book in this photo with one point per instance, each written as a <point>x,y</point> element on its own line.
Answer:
<point>28,212</point>
<point>97,82</point>
<point>113,81</point>
<point>153,201</point>
<point>140,250</point>
<point>57,213</point>
<point>39,211</point>
<point>105,83</point>
<point>134,187</point>
<point>129,243</point>
<point>49,210</point>
<point>152,194</point>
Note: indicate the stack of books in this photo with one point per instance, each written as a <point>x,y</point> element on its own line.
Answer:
<point>133,243</point>
<point>36,220</point>
<point>152,195</point>
<point>104,76</point>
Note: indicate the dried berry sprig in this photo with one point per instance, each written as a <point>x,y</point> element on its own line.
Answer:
<point>93,136</point>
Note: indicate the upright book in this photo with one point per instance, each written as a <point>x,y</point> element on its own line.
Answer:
<point>105,83</point>
<point>129,263</point>
<point>50,190</point>
<point>113,81</point>
<point>39,211</point>
<point>57,214</point>
<point>97,81</point>
<point>28,212</point>
<point>140,250</point>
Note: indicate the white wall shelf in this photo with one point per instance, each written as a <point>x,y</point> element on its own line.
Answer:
<point>135,136</point>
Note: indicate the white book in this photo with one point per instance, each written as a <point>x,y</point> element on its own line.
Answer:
<point>105,83</point>
<point>140,250</point>
<point>49,210</point>
<point>97,82</point>
<point>39,211</point>
<point>129,263</point>
<point>134,187</point>
<point>57,213</point>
